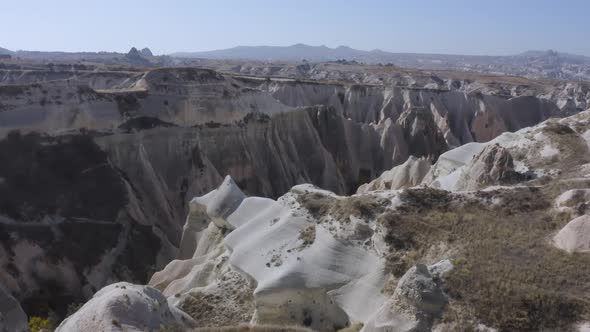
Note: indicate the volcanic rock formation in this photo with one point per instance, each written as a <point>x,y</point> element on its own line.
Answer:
<point>404,260</point>
<point>112,158</point>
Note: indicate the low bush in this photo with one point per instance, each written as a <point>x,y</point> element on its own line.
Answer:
<point>37,324</point>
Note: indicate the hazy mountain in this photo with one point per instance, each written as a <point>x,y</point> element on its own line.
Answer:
<point>6,51</point>
<point>551,64</point>
<point>295,52</point>
<point>146,52</point>
<point>300,52</point>
<point>534,63</point>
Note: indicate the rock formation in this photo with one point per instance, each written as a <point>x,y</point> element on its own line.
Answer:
<point>493,165</point>
<point>576,201</point>
<point>575,236</point>
<point>417,300</point>
<point>121,153</point>
<point>125,307</point>
<point>146,52</point>
<point>409,174</point>
<point>402,260</point>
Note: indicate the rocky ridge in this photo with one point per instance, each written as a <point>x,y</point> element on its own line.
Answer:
<point>404,260</point>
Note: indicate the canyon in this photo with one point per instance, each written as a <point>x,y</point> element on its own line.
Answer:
<point>112,156</point>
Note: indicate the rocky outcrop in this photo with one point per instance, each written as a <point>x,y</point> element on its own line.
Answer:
<point>409,174</point>
<point>576,201</point>
<point>136,58</point>
<point>527,154</point>
<point>492,166</point>
<point>125,307</point>
<point>274,246</point>
<point>417,300</point>
<point>12,316</point>
<point>146,52</point>
<point>575,236</point>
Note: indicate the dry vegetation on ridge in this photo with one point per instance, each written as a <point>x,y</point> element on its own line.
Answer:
<point>506,272</point>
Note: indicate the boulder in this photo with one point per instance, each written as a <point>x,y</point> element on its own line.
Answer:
<point>445,172</point>
<point>575,201</point>
<point>406,175</point>
<point>125,307</point>
<point>492,166</point>
<point>416,301</point>
<point>575,236</point>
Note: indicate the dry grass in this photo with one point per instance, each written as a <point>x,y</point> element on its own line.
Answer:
<point>253,328</point>
<point>307,235</point>
<point>355,327</point>
<point>365,206</point>
<point>506,274</point>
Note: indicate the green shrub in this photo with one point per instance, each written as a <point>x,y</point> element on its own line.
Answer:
<point>37,324</point>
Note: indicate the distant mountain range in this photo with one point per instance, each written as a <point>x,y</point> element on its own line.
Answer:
<point>6,51</point>
<point>546,64</point>
<point>299,52</point>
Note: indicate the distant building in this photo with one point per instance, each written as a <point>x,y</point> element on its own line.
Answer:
<point>5,56</point>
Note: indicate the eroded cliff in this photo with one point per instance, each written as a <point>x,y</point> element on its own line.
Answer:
<point>112,159</point>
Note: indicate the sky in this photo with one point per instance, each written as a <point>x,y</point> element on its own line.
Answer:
<point>492,27</point>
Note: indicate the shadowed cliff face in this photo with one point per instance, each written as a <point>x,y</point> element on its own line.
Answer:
<point>95,187</point>
<point>67,176</point>
<point>62,216</point>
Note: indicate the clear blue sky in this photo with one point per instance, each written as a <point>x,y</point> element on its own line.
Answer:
<point>431,26</point>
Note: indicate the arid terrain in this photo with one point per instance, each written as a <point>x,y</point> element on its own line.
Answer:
<point>184,193</point>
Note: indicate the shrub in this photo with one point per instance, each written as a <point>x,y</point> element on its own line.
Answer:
<point>37,324</point>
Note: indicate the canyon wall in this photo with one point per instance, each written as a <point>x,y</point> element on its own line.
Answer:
<point>111,160</point>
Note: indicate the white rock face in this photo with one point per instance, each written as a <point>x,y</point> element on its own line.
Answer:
<point>445,173</point>
<point>416,300</point>
<point>125,307</point>
<point>575,201</point>
<point>492,166</point>
<point>305,273</point>
<point>535,151</point>
<point>226,200</point>
<point>575,236</point>
<point>12,316</point>
<point>408,174</point>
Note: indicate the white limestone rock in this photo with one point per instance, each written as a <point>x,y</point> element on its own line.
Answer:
<point>445,173</point>
<point>303,273</point>
<point>226,199</point>
<point>535,152</point>
<point>416,301</point>
<point>125,307</point>
<point>575,201</point>
<point>316,281</point>
<point>408,174</point>
<point>491,166</point>
<point>575,236</point>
